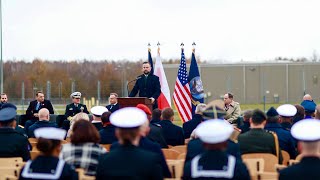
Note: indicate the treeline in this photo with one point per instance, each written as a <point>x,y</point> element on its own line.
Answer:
<point>83,74</point>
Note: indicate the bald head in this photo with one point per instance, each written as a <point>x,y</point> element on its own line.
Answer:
<point>44,114</point>
<point>307,97</point>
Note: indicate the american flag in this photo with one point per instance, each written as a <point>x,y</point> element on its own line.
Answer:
<point>181,94</point>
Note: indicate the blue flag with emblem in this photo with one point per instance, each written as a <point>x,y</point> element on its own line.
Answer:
<point>195,83</point>
<point>150,60</point>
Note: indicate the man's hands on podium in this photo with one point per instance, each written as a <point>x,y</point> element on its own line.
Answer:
<point>152,100</point>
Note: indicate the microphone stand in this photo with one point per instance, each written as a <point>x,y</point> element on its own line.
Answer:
<point>131,82</point>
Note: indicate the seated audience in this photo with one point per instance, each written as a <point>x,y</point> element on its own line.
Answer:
<point>286,113</point>
<point>84,150</point>
<point>75,118</point>
<point>48,165</point>
<point>246,118</point>
<point>309,108</point>
<point>308,134</point>
<point>156,116</point>
<point>97,111</point>
<point>300,113</point>
<point>258,140</point>
<point>129,161</point>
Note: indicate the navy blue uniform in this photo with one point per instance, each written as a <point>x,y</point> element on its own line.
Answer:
<point>14,144</point>
<point>72,110</point>
<point>195,148</point>
<point>286,141</point>
<point>156,135</point>
<point>147,87</point>
<point>307,169</point>
<point>215,164</point>
<point>286,125</point>
<point>129,162</point>
<point>172,133</point>
<point>148,145</point>
<point>48,167</point>
<point>40,124</point>
<point>107,134</point>
<point>112,108</point>
<point>189,126</point>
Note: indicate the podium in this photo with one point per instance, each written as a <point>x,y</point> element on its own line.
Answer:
<point>134,101</point>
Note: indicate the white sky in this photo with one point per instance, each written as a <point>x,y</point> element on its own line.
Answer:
<point>121,29</point>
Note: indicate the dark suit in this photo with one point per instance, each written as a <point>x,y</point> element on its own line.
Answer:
<point>286,141</point>
<point>215,163</point>
<point>148,145</point>
<point>129,162</point>
<point>195,147</point>
<point>47,165</point>
<point>40,124</point>
<point>113,108</point>
<point>147,87</point>
<point>107,134</point>
<point>245,127</point>
<point>189,126</point>
<point>172,133</point>
<point>32,108</point>
<point>156,135</point>
<point>258,141</point>
<point>307,169</point>
<point>14,144</point>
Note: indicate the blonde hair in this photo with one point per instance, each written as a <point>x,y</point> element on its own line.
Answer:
<point>76,118</point>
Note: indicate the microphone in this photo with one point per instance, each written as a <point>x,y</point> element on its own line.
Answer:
<point>139,77</point>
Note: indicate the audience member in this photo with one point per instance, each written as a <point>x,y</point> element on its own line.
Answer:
<point>308,134</point>
<point>317,115</point>
<point>172,133</point>
<point>246,121</point>
<point>309,108</point>
<point>258,140</point>
<point>300,113</point>
<point>286,112</point>
<point>97,111</point>
<point>107,133</point>
<point>286,141</point>
<point>156,133</point>
<point>215,163</point>
<point>75,118</point>
<point>3,99</point>
<point>156,116</point>
<point>13,144</point>
<point>129,161</point>
<point>48,165</point>
<point>197,118</point>
<point>44,118</point>
<point>84,150</point>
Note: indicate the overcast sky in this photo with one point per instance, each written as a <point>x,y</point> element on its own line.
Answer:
<point>121,29</point>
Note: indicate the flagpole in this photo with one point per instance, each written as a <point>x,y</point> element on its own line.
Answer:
<point>193,47</point>
<point>1,63</point>
<point>158,44</point>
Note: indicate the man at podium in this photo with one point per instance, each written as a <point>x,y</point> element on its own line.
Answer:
<point>148,85</point>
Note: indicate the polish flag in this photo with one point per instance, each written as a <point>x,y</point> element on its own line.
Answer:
<point>164,99</point>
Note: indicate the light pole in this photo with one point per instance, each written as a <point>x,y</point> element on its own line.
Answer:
<point>264,100</point>
<point>1,63</point>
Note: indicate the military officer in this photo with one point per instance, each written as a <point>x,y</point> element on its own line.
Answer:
<point>215,163</point>
<point>13,144</point>
<point>75,107</point>
<point>128,161</point>
<point>307,133</point>
<point>97,112</point>
<point>48,165</point>
<point>72,109</point>
<point>309,108</point>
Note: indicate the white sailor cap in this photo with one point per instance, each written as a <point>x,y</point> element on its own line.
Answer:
<point>287,110</point>
<point>306,130</point>
<point>98,110</point>
<point>75,95</point>
<point>214,131</point>
<point>50,133</point>
<point>129,117</point>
